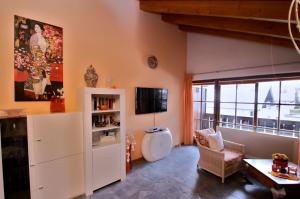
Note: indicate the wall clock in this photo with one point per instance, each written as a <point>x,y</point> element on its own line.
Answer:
<point>152,62</point>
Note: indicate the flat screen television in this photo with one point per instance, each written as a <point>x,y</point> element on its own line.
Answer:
<point>150,100</point>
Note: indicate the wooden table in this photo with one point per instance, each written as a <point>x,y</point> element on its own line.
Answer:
<point>260,168</point>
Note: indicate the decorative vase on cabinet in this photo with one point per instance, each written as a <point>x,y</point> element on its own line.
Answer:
<point>104,133</point>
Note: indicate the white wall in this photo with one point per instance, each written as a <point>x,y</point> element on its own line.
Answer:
<point>260,145</point>
<point>207,54</point>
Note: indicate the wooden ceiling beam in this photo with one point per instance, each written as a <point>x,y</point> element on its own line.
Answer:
<point>238,35</point>
<point>264,28</point>
<point>248,9</point>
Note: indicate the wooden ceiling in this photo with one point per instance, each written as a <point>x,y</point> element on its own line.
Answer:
<point>257,20</point>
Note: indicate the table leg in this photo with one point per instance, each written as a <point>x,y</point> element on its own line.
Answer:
<point>244,171</point>
<point>278,192</point>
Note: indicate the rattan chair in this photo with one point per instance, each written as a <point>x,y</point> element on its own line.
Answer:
<point>223,163</point>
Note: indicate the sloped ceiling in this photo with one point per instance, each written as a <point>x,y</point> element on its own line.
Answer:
<point>259,20</point>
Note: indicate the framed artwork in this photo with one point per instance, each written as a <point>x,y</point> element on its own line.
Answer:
<point>38,60</point>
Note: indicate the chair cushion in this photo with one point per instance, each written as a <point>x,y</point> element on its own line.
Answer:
<point>202,136</point>
<point>215,141</point>
<point>231,157</point>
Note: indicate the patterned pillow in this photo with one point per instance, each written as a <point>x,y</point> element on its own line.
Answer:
<point>202,136</point>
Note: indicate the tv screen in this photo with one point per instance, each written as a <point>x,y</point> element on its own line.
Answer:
<point>150,100</point>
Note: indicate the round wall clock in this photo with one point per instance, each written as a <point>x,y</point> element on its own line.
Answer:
<point>152,62</point>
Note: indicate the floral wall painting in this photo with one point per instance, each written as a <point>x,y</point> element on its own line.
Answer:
<point>38,60</point>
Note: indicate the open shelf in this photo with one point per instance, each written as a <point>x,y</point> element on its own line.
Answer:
<point>107,128</point>
<point>105,111</point>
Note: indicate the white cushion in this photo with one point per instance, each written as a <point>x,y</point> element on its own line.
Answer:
<point>216,141</point>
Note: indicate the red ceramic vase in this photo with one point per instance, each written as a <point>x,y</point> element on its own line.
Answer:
<point>57,105</point>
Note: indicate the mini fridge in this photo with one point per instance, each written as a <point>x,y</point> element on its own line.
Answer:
<point>14,150</point>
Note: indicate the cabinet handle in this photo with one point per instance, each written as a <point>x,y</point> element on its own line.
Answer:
<point>41,187</point>
<point>38,140</point>
<point>32,165</point>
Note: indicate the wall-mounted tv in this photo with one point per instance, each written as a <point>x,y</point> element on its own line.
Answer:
<point>150,100</point>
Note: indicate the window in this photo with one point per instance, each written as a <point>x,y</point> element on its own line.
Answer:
<point>203,102</point>
<point>271,106</point>
<point>237,106</point>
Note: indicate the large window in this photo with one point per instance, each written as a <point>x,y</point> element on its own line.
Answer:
<point>203,97</point>
<point>271,107</point>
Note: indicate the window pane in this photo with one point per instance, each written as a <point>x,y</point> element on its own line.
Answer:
<point>267,111</point>
<point>196,114</point>
<point>197,109</point>
<point>202,111</point>
<point>268,92</point>
<point>267,117</point>
<point>228,93</point>
<point>246,93</point>
<point>208,93</point>
<point>206,124</point>
<point>290,120</point>
<point>196,93</point>
<point>245,114</point>
<point>197,124</point>
<point>227,113</point>
<point>245,110</point>
<point>290,92</point>
<point>207,110</point>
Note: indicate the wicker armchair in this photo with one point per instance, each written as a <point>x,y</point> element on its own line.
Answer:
<point>224,163</point>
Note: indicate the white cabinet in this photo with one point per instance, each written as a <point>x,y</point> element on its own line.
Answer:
<point>55,143</point>
<point>104,136</point>
<point>106,165</point>
<point>60,179</point>
<point>54,136</point>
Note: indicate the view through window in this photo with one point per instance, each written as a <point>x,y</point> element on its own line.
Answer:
<point>271,107</point>
<point>203,105</point>
<point>237,106</point>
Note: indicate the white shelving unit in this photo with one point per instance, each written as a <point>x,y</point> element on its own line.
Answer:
<point>104,136</point>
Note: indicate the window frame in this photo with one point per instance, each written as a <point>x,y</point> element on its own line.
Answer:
<point>256,80</point>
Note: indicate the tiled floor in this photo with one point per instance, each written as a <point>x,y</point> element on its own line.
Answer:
<point>177,177</point>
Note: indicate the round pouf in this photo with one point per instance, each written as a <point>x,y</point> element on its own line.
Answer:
<point>157,145</point>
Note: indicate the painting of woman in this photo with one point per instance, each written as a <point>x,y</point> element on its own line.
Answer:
<point>38,56</point>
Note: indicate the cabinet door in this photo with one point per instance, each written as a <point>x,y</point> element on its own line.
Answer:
<point>54,136</point>
<point>106,165</point>
<point>59,179</point>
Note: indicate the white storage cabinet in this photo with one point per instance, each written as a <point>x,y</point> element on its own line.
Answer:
<point>55,144</point>
<point>104,136</point>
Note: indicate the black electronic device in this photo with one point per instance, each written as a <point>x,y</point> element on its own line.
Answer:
<point>151,100</point>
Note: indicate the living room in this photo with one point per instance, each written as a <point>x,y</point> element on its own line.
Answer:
<point>117,38</point>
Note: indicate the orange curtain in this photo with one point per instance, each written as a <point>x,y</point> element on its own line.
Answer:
<point>188,110</point>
